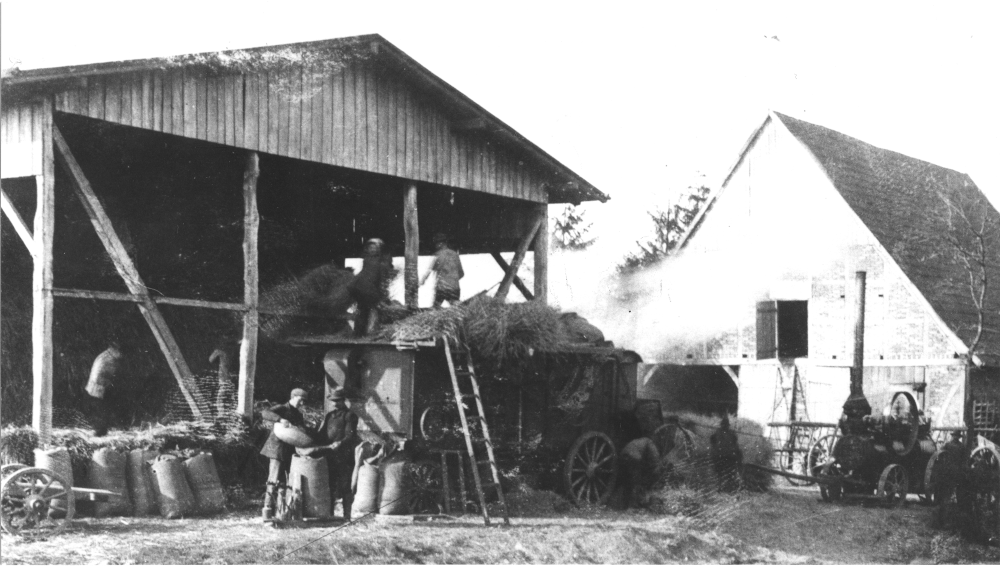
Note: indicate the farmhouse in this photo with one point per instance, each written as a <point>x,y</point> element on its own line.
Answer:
<point>802,211</point>
<point>152,202</point>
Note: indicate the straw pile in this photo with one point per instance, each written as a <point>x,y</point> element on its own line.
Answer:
<point>321,292</point>
<point>493,330</point>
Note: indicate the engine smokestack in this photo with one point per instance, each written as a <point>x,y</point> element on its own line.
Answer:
<point>857,405</point>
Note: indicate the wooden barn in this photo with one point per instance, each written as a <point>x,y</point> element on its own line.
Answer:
<point>802,211</point>
<point>165,194</point>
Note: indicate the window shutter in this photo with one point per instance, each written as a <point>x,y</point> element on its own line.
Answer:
<point>767,330</point>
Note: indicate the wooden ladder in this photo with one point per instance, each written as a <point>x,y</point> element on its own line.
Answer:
<point>460,366</point>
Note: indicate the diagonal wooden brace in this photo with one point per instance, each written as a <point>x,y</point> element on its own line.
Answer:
<point>20,226</point>
<point>123,263</point>
<point>515,263</point>
<point>517,280</point>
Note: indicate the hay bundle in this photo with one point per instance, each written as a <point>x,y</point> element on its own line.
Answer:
<point>427,324</point>
<point>321,292</point>
<point>17,445</point>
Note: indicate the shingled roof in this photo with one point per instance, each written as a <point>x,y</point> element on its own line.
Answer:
<point>905,202</point>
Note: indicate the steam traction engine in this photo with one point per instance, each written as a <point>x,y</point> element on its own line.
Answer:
<point>887,456</point>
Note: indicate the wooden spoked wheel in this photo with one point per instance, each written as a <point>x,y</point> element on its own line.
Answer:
<point>794,453</point>
<point>893,485</point>
<point>591,469</point>
<point>426,489</point>
<point>9,469</point>
<point>35,503</point>
<point>830,491</point>
<point>820,453</point>
<point>984,469</point>
<point>932,478</point>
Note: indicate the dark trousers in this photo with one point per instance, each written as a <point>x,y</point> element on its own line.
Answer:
<point>451,295</point>
<point>277,471</point>
<point>341,469</point>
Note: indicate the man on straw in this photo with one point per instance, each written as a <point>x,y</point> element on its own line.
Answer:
<point>336,438</point>
<point>726,456</point>
<point>447,266</point>
<point>278,452</point>
<point>368,287</point>
<point>643,463</point>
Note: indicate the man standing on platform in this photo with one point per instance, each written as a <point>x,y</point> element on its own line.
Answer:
<point>368,288</point>
<point>103,375</point>
<point>447,265</point>
<point>278,452</point>
<point>336,438</point>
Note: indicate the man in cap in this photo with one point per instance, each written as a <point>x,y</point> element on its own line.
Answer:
<point>643,463</point>
<point>336,438</point>
<point>368,288</point>
<point>278,452</point>
<point>726,456</point>
<point>447,266</point>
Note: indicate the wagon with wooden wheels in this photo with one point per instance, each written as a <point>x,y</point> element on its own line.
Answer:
<point>37,503</point>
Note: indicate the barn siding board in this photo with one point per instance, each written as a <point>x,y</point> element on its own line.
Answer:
<point>296,99</point>
<point>228,120</point>
<point>386,115</point>
<point>400,131</point>
<point>273,111</point>
<point>372,120</point>
<point>251,111</point>
<point>212,110</point>
<point>113,100</point>
<point>191,95</point>
<point>360,119</point>
<point>326,99</point>
<point>316,91</point>
<point>350,127</point>
<point>176,103</point>
<point>392,132</point>
<point>156,110</point>
<point>146,118</point>
<point>305,144</point>
<point>137,101</point>
<point>338,147</point>
<point>239,110</point>
<point>38,112</point>
<point>24,124</point>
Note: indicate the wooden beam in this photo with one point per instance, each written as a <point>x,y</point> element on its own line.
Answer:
<point>20,226</point>
<point>542,255</point>
<point>411,228</point>
<point>517,280</point>
<point>41,284</point>
<point>251,278</point>
<point>126,269</point>
<point>515,264</point>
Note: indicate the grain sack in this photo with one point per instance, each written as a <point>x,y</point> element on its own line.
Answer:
<point>140,482</point>
<point>172,490</point>
<point>366,497</point>
<point>205,484</point>
<point>107,471</point>
<point>57,461</point>
<point>311,477</point>
<point>393,500</point>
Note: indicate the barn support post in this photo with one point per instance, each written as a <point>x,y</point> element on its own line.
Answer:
<point>542,255</point>
<point>515,263</point>
<point>857,404</point>
<point>126,269</point>
<point>411,229</point>
<point>41,284</point>
<point>248,346</point>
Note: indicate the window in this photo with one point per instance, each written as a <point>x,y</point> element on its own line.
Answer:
<point>782,329</point>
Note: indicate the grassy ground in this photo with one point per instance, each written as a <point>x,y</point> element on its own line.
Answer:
<point>780,527</point>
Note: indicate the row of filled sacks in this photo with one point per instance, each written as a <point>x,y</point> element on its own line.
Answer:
<point>145,481</point>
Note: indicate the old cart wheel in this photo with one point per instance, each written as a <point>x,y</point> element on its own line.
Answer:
<point>9,469</point>
<point>831,491</point>
<point>904,424</point>
<point>893,485</point>
<point>984,469</point>
<point>426,491</point>
<point>793,454</point>
<point>35,503</point>
<point>820,453</point>
<point>591,469</point>
<point>931,478</point>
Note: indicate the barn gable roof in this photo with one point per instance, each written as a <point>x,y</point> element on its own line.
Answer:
<point>904,202</point>
<point>464,112</point>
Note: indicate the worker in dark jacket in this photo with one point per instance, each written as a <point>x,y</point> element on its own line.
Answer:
<point>336,439</point>
<point>447,267</point>
<point>726,456</point>
<point>103,375</point>
<point>280,453</point>
<point>368,288</point>
<point>643,463</point>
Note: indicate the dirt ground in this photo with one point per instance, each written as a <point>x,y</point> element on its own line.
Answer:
<point>784,526</point>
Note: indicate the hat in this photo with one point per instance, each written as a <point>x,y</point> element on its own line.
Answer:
<point>439,238</point>
<point>377,241</point>
<point>338,394</point>
<point>299,393</point>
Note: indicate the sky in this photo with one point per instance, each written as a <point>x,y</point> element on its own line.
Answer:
<point>642,99</point>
